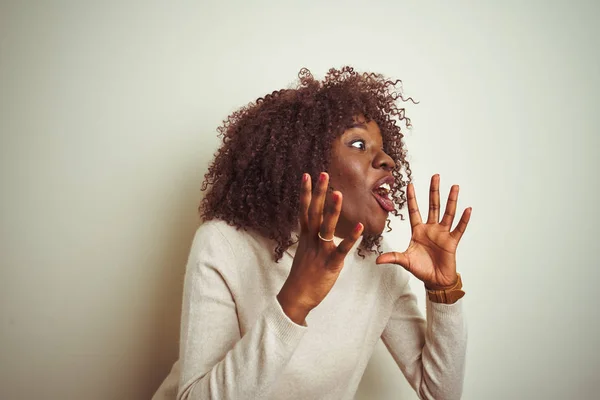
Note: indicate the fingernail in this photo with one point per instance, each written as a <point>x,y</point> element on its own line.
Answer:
<point>305,178</point>
<point>358,227</point>
<point>322,177</point>
<point>336,196</point>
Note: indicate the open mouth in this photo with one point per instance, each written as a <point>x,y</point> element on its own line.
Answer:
<point>382,195</point>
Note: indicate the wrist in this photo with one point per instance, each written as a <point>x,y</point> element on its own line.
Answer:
<point>292,308</point>
<point>432,286</point>
<point>449,295</point>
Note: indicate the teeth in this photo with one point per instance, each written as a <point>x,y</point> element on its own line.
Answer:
<point>385,186</point>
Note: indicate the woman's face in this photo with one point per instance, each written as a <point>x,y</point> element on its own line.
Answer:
<point>360,169</point>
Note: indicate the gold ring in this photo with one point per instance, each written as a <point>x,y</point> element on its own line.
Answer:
<point>323,239</point>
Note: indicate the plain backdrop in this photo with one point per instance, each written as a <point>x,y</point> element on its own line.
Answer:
<point>108,117</point>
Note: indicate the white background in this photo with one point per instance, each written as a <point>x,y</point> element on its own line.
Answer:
<point>108,117</point>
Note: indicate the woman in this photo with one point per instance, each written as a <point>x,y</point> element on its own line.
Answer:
<point>287,287</point>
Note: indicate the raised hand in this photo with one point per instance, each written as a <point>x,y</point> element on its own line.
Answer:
<point>431,254</point>
<point>318,261</point>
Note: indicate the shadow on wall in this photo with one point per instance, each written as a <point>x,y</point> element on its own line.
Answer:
<point>382,379</point>
<point>162,346</point>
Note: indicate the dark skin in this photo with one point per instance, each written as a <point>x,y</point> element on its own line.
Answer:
<point>358,161</point>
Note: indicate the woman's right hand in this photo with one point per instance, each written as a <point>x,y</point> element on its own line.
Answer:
<point>317,263</point>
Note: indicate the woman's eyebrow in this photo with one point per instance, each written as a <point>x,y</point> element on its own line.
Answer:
<point>358,125</point>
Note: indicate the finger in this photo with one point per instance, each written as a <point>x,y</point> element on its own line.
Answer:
<point>413,209</point>
<point>305,197</point>
<point>331,214</point>
<point>393,257</point>
<point>315,209</point>
<point>434,200</point>
<point>450,212</point>
<point>343,248</point>
<point>462,224</point>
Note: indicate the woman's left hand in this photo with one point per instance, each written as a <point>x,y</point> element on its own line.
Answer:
<point>431,254</point>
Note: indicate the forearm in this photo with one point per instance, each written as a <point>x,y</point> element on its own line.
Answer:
<point>443,355</point>
<point>430,352</point>
<point>250,368</point>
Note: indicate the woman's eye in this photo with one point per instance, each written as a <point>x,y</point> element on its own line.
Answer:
<point>359,144</point>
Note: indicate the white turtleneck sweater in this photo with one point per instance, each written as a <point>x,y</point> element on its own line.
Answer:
<point>237,343</point>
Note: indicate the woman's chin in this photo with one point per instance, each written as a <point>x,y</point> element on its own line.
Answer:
<point>374,228</point>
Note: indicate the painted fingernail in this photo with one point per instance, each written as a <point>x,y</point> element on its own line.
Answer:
<point>358,227</point>
<point>304,178</point>
<point>322,177</point>
<point>335,196</point>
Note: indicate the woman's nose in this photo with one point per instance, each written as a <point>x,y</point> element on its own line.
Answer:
<point>384,161</point>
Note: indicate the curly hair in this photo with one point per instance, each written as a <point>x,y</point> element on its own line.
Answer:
<point>254,179</point>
